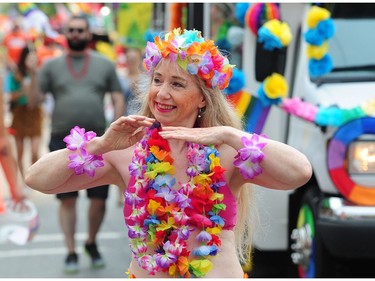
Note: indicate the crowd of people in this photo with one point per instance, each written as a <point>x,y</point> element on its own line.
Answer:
<point>30,74</point>
<point>176,150</point>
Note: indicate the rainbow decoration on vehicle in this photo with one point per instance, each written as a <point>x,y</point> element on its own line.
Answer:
<point>337,148</point>
<point>258,13</point>
<point>248,107</point>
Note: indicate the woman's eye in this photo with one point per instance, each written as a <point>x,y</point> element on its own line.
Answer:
<point>156,80</point>
<point>178,85</point>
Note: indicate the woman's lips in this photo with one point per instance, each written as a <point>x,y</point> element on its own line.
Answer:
<point>164,107</point>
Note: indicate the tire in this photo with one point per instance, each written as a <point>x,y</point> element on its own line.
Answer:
<point>308,251</point>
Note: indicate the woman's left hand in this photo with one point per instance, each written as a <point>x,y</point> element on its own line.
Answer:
<point>207,136</point>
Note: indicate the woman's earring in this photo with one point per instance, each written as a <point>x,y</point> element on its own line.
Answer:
<point>200,113</point>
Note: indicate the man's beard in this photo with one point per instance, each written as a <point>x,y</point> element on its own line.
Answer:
<point>77,45</point>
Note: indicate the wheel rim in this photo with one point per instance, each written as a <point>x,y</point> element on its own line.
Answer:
<point>303,250</point>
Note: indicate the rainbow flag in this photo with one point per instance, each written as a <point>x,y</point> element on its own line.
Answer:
<point>253,113</point>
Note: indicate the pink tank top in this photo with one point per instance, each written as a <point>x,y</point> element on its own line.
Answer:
<point>229,215</point>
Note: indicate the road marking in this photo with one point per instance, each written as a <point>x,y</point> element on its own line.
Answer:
<point>57,237</point>
<point>78,236</point>
<point>36,252</point>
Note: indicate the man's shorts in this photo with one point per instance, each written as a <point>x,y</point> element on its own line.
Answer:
<point>100,192</point>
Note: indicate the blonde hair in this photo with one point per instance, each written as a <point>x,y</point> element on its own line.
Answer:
<point>218,112</point>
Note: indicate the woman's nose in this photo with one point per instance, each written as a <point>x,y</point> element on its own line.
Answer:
<point>164,91</point>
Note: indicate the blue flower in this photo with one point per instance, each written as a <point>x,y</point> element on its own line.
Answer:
<point>269,40</point>
<point>151,220</point>
<point>166,193</point>
<point>236,83</point>
<point>320,67</point>
<point>205,251</point>
<point>164,180</point>
<point>313,37</point>
<point>217,219</point>
<point>326,28</point>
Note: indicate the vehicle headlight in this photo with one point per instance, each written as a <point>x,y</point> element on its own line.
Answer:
<point>361,157</point>
<point>351,160</point>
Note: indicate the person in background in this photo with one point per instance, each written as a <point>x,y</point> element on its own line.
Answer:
<point>78,81</point>
<point>131,79</point>
<point>27,115</point>
<point>14,42</point>
<point>184,164</point>
<point>7,159</point>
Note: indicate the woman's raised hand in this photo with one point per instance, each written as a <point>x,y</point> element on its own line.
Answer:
<point>207,136</point>
<point>125,132</point>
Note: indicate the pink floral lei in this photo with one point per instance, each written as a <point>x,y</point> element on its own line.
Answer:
<point>165,217</point>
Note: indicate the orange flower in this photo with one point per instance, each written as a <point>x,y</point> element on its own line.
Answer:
<point>183,266</point>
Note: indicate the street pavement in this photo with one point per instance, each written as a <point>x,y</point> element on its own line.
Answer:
<point>44,256</point>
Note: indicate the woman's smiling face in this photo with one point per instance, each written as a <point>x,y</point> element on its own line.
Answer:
<point>174,97</point>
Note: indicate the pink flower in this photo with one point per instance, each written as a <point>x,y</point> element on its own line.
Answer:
<point>249,157</point>
<point>85,163</point>
<point>78,138</point>
<point>248,169</point>
<point>149,264</point>
<point>200,220</point>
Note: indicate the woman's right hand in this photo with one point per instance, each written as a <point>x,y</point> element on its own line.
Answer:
<point>122,133</point>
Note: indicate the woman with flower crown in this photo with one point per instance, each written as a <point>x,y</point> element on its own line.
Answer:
<point>184,165</point>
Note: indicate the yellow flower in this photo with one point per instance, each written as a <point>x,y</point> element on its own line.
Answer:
<point>166,225</point>
<point>217,196</point>
<point>202,179</point>
<point>317,52</point>
<point>213,230</point>
<point>201,267</point>
<point>275,86</point>
<point>280,29</point>
<point>159,168</point>
<point>152,206</point>
<point>172,270</point>
<point>315,15</point>
<point>215,161</point>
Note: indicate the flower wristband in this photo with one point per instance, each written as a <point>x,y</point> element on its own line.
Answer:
<point>249,157</point>
<point>82,162</point>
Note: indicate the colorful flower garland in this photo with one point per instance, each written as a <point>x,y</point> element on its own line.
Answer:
<point>165,217</point>
<point>193,53</point>
<point>321,28</point>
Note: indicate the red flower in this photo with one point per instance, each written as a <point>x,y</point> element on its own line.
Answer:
<point>200,220</point>
<point>201,205</point>
<point>160,236</point>
<point>151,195</point>
<point>214,241</point>
<point>157,140</point>
<point>218,175</point>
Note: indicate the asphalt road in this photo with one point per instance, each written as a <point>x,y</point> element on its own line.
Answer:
<point>43,257</point>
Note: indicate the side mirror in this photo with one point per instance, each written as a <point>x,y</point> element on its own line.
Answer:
<point>268,62</point>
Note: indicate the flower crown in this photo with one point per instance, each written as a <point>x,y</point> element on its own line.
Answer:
<point>193,53</point>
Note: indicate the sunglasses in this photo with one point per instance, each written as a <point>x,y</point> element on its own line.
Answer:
<point>79,30</point>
